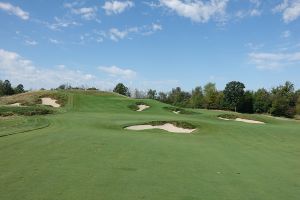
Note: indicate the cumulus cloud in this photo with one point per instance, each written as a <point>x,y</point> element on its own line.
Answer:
<point>286,34</point>
<point>31,42</point>
<point>14,10</point>
<point>54,41</point>
<point>290,10</point>
<point>197,10</point>
<point>274,61</point>
<point>116,7</point>
<point>20,70</point>
<point>116,34</point>
<point>118,72</point>
<point>87,13</point>
<point>60,23</point>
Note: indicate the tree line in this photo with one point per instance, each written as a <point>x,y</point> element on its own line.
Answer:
<point>282,100</point>
<point>7,89</point>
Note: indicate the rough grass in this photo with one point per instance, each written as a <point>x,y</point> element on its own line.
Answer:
<point>27,111</point>
<point>229,116</point>
<point>34,98</point>
<point>181,110</point>
<point>180,124</point>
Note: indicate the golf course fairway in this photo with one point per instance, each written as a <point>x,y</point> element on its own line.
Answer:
<point>83,152</point>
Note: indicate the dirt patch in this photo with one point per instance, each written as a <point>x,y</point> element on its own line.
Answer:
<point>167,127</point>
<point>50,102</point>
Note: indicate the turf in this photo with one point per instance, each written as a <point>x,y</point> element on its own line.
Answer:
<point>84,153</point>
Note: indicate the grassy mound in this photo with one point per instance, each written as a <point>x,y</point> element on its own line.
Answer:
<point>180,110</point>
<point>26,111</point>
<point>135,106</point>
<point>229,116</point>
<point>34,98</point>
<point>19,124</point>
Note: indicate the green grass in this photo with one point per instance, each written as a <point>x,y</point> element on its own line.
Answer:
<point>84,153</point>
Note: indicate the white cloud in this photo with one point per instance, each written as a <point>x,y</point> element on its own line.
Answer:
<point>20,70</point>
<point>31,42</point>
<point>253,46</point>
<point>116,34</point>
<point>255,12</point>
<point>118,72</point>
<point>256,2</point>
<point>60,23</point>
<point>156,27</point>
<point>197,10</point>
<point>54,41</point>
<point>290,10</point>
<point>286,34</point>
<point>274,61</point>
<point>15,10</point>
<point>116,7</point>
<point>87,13</point>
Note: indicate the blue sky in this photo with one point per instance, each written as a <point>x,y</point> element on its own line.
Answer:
<point>150,44</point>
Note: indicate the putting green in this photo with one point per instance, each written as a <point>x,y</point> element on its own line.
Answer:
<point>83,152</point>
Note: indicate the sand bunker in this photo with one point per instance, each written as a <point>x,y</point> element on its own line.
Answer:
<point>167,127</point>
<point>176,112</point>
<point>248,121</point>
<point>142,107</point>
<point>243,120</point>
<point>50,102</point>
<point>15,104</point>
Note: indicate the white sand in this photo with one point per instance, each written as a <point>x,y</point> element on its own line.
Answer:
<point>224,118</point>
<point>50,102</point>
<point>176,112</point>
<point>243,120</point>
<point>15,104</point>
<point>167,127</point>
<point>248,121</point>
<point>142,107</point>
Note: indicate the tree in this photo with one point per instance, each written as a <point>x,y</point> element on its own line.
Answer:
<point>121,89</point>
<point>197,98</point>
<point>178,97</point>
<point>210,96</point>
<point>246,105</point>
<point>151,94</point>
<point>233,94</point>
<point>262,101</point>
<point>298,106</point>
<point>1,88</point>
<point>19,89</point>
<point>163,97</point>
<point>283,100</point>
<point>138,94</point>
<point>6,88</point>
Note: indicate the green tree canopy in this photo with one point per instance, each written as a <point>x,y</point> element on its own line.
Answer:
<point>210,96</point>
<point>234,93</point>
<point>122,89</point>
<point>197,98</point>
